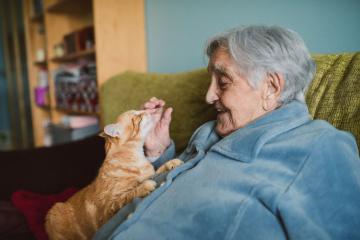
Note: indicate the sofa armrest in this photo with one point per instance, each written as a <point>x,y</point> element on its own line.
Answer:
<point>51,169</point>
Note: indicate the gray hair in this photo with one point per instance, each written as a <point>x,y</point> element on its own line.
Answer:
<point>260,50</point>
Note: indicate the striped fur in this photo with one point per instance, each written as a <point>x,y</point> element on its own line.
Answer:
<point>123,176</point>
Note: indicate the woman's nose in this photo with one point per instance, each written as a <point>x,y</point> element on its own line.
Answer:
<point>212,95</point>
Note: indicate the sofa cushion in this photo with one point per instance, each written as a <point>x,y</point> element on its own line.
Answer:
<point>334,93</point>
<point>13,223</point>
<point>35,207</point>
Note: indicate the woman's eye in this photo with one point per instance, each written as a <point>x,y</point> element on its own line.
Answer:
<point>223,84</point>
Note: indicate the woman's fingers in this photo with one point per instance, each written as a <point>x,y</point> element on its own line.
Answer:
<point>166,117</point>
<point>157,103</point>
<point>150,110</point>
<point>153,103</point>
<point>148,105</point>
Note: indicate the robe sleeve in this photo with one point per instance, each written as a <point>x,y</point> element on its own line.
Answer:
<point>323,202</point>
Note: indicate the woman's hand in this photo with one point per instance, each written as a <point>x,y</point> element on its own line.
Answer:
<point>159,137</point>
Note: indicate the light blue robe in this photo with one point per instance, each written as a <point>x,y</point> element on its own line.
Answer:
<point>283,176</point>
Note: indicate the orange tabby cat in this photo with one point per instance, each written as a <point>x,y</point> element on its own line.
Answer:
<point>123,176</point>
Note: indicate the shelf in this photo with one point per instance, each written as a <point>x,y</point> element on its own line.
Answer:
<point>70,6</point>
<point>37,18</point>
<point>44,107</point>
<point>40,63</point>
<point>67,111</point>
<point>75,56</point>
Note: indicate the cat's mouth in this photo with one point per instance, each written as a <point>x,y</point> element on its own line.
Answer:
<point>146,123</point>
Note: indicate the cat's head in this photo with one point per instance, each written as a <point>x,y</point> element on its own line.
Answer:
<point>130,125</point>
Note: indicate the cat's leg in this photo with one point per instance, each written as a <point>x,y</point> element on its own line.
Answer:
<point>60,223</point>
<point>169,165</point>
<point>144,189</point>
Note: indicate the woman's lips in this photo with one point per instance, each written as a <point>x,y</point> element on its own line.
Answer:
<point>221,115</point>
<point>219,108</point>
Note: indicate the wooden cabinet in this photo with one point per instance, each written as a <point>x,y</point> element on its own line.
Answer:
<point>119,45</point>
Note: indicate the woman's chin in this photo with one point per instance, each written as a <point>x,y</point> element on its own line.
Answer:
<point>222,130</point>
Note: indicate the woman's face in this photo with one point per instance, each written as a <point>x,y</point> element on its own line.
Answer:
<point>236,102</point>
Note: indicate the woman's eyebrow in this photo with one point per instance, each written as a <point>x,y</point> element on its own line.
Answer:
<point>218,69</point>
<point>223,71</point>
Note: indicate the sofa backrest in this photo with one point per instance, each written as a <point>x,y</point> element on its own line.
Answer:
<point>333,95</point>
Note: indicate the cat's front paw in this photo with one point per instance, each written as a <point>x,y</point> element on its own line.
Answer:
<point>169,165</point>
<point>146,187</point>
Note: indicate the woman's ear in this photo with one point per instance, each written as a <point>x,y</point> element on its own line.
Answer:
<point>274,85</point>
<point>113,130</point>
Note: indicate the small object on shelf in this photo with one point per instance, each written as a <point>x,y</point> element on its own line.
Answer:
<point>85,38</point>
<point>75,56</point>
<point>62,134</point>
<point>59,50</point>
<point>37,18</point>
<point>42,80</point>
<point>74,121</point>
<point>42,89</point>
<point>76,88</point>
<point>42,96</point>
<point>37,10</point>
<point>70,43</point>
<point>80,40</point>
<point>47,141</point>
<point>40,55</point>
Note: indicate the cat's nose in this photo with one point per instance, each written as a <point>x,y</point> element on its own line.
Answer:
<point>140,112</point>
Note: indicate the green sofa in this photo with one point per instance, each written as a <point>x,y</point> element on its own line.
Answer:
<point>334,95</point>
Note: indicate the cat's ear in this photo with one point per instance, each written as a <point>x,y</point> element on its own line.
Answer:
<point>102,134</point>
<point>113,130</point>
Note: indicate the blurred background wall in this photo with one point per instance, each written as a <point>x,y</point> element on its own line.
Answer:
<point>177,30</point>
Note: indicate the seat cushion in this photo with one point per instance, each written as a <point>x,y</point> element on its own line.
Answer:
<point>13,223</point>
<point>334,93</point>
<point>35,207</point>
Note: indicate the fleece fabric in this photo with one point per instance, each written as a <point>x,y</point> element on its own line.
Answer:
<point>283,176</point>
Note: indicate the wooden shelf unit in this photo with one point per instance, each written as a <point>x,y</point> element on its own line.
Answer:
<point>41,63</point>
<point>120,45</point>
<point>37,18</point>
<point>89,53</point>
<point>67,111</point>
<point>69,6</point>
<point>35,40</point>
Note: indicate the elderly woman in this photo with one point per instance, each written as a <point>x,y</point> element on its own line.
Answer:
<point>264,169</point>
